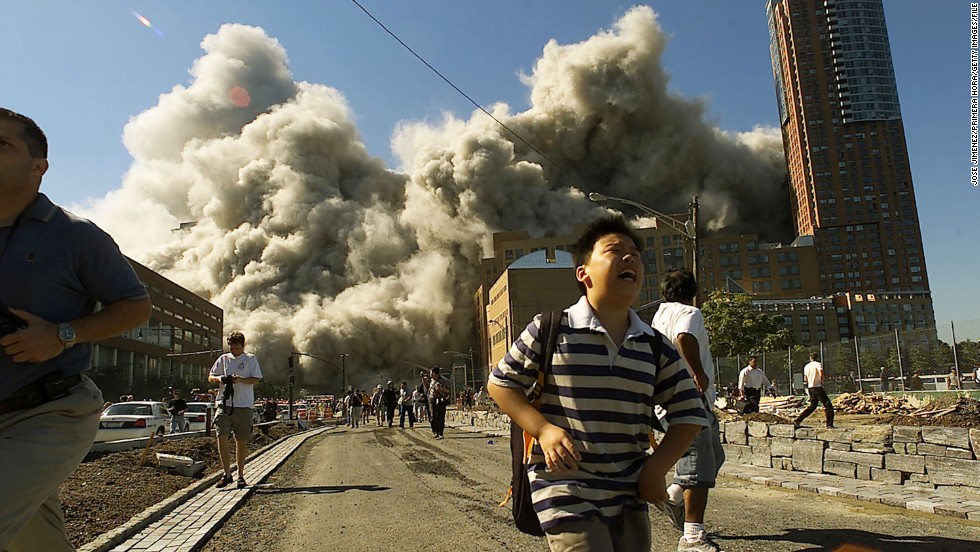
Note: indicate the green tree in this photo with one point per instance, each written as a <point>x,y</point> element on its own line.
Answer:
<point>918,360</point>
<point>736,327</point>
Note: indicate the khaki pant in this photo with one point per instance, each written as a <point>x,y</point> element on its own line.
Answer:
<point>592,535</point>
<point>39,448</point>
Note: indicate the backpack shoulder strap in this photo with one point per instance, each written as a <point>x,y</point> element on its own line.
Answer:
<point>657,347</point>
<point>549,329</point>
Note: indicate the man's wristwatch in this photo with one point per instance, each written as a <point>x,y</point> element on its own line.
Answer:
<point>66,334</point>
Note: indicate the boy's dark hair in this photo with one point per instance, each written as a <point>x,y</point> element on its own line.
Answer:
<point>678,285</point>
<point>603,226</point>
<point>236,337</point>
<point>436,370</point>
<point>30,133</point>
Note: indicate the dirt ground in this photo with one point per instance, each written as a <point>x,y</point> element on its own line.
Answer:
<point>108,489</point>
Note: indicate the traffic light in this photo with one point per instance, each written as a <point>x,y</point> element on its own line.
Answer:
<point>290,362</point>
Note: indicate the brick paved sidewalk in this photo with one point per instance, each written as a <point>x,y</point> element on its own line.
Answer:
<point>187,519</point>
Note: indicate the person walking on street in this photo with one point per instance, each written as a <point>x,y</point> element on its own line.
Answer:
<point>697,470</point>
<point>439,397</point>
<point>55,268</point>
<point>236,372</point>
<point>379,411</point>
<point>365,406</point>
<point>389,398</point>
<point>406,405</point>
<point>883,379</point>
<point>353,408</point>
<point>813,374</point>
<point>418,398</point>
<point>177,407</point>
<point>423,388</point>
<point>751,381</point>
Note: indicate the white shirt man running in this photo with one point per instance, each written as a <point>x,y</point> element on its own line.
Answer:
<point>813,374</point>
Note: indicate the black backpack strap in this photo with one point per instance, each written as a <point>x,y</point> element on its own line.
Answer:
<point>657,347</point>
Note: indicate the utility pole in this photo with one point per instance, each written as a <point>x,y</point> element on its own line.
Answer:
<point>343,372</point>
<point>694,206</point>
<point>290,361</point>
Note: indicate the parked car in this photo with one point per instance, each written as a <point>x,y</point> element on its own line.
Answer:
<point>130,420</point>
<point>196,415</point>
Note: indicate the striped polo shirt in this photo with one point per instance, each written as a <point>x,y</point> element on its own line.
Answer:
<point>603,396</point>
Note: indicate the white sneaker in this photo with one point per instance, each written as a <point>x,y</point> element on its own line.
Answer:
<point>703,544</point>
<point>674,512</point>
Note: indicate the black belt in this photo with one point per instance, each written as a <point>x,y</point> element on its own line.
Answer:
<point>50,387</point>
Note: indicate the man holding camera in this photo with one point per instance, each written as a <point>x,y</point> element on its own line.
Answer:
<point>237,372</point>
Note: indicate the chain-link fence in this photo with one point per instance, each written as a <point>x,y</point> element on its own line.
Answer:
<point>907,360</point>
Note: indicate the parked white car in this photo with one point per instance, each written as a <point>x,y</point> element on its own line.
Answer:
<point>196,415</point>
<point>130,420</point>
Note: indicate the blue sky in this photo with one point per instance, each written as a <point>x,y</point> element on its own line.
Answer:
<point>83,68</point>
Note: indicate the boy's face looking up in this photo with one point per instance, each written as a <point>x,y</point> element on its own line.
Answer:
<point>613,273</point>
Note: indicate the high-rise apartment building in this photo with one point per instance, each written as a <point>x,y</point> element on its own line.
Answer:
<point>849,176</point>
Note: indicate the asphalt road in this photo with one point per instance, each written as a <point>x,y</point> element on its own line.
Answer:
<point>388,489</point>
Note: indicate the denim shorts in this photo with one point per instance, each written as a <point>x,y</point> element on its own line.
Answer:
<point>700,464</point>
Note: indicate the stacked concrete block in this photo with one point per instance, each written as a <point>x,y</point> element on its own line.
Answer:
<point>914,456</point>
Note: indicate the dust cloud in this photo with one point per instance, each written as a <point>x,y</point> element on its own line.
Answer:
<point>311,244</point>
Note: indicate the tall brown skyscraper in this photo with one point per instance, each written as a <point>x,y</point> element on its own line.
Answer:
<point>850,182</point>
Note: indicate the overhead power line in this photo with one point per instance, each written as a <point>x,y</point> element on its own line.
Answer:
<point>450,83</point>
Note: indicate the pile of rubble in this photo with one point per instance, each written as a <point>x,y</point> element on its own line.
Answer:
<point>872,403</point>
<point>961,406</point>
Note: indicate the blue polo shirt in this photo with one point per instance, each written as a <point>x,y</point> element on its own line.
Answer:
<point>59,266</point>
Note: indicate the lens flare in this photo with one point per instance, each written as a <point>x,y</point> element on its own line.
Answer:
<point>146,23</point>
<point>239,97</point>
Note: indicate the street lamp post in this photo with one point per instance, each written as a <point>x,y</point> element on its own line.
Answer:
<point>506,340</point>
<point>464,355</point>
<point>291,380</point>
<point>170,357</point>
<point>343,371</point>
<point>688,228</point>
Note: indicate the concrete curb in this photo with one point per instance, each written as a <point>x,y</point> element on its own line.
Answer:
<point>112,538</point>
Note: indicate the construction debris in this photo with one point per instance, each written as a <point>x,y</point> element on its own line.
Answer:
<point>872,403</point>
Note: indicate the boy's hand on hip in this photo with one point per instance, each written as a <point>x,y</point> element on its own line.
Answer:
<point>559,450</point>
<point>652,484</point>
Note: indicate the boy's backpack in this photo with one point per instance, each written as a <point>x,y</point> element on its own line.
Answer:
<point>521,442</point>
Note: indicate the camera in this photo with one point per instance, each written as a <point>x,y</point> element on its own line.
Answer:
<point>228,394</point>
<point>10,322</point>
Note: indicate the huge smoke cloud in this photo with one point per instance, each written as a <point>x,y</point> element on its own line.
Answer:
<point>310,244</point>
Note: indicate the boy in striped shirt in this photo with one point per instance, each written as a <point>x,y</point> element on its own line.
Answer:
<point>591,472</point>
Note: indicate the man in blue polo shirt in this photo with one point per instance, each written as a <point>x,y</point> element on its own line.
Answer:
<point>55,268</point>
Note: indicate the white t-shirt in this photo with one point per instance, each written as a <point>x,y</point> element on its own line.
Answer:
<point>813,374</point>
<point>673,319</point>
<point>246,366</point>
